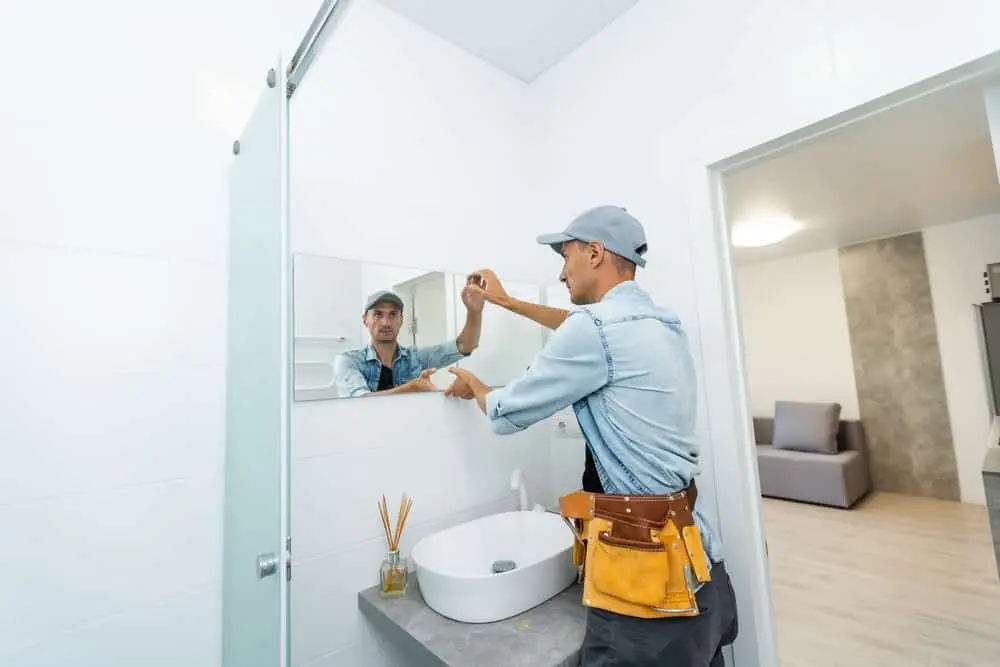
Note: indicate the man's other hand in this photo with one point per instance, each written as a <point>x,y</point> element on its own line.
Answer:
<point>423,381</point>
<point>473,298</point>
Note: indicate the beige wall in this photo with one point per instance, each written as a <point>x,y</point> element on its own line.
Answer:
<point>795,334</point>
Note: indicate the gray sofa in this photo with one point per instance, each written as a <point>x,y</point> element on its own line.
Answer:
<point>805,468</point>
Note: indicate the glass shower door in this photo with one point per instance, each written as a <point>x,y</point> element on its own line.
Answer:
<point>255,588</point>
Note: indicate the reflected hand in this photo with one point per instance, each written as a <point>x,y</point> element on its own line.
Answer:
<point>474,298</point>
<point>423,381</point>
<point>486,282</point>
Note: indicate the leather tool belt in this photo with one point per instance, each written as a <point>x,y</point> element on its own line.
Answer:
<point>640,556</point>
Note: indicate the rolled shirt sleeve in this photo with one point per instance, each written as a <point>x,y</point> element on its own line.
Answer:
<point>573,364</point>
<point>439,356</point>
<point>348,377</point>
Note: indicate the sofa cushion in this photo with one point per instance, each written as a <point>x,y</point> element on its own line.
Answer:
<point>771,453</point>
<point>806,427</point>
<point>838,479</point>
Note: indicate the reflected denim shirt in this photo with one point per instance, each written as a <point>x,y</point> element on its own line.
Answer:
<point>625,366</point>
<point>356,372</point>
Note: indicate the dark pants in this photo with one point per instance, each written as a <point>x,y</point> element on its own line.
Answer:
<point>613,640</point>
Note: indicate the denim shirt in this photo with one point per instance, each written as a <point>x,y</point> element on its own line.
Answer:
<point>625,366</point>
<point>356,372</point>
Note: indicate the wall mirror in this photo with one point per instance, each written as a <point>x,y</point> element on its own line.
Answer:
<point>421,309</point>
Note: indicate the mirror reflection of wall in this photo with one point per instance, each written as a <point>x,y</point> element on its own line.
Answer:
<point>330,300</point>
<point>509,342</point>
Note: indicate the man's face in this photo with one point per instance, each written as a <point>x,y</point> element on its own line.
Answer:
<point>383,321</point>
<point>578,271</point>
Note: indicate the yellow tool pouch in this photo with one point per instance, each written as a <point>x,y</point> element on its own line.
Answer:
<point>639,556</point>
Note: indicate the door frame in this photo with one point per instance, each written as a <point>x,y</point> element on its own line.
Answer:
<point>722,324</point>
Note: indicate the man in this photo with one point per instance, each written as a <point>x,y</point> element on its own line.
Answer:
<point>385,367</point>
<point>624,364</point>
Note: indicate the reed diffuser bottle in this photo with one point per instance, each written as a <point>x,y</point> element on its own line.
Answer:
<point>394,573</point>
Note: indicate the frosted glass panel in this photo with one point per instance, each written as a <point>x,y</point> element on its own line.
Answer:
<point>257,398</point>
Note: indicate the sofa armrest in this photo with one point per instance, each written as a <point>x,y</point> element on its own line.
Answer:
<point>851,436</point>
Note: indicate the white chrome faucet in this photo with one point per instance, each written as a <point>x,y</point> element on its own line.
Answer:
<point>517,486</point>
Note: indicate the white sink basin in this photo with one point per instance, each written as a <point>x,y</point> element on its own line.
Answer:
<point>455,566</point>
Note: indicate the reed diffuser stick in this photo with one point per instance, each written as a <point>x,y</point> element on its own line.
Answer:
<point>394,578</point>
<point>383,511</point>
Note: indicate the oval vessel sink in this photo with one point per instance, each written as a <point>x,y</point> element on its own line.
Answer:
<point>495,567</point>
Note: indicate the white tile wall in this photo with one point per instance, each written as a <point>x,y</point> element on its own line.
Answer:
<point>113,160</point>
<point>109,311</point>
<point>176,631</point>
<point>438,451</point>
<point>408,151</point>
<point>85,558</point>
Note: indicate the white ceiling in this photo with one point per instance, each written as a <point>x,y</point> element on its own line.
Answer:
<point>927,162</point>
<point>521,37</point>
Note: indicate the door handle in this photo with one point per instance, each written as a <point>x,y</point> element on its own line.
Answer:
<point>267,565</point>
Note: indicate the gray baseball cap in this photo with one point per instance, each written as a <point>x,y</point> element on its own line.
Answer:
<point>383,295</point>
<point>616,229</point>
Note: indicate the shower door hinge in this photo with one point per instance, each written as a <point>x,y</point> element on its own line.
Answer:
<point>288,558</point>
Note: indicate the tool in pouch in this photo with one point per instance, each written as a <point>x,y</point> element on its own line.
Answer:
<point>640,556</point>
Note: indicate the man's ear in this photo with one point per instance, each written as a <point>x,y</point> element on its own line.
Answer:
<point>596,250</point>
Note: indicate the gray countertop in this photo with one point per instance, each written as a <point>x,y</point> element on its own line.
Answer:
<point>550,635</point>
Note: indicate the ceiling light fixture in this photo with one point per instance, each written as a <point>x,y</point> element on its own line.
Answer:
<point>763,231</point>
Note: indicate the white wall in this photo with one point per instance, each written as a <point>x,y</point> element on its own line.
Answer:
<point>329,297</point>
<point>509,342</point>
<point>405,151</point>
<point>395,162</point>
<point>115,134</point>
<point>957,254</point>
<point>795,337</point>
<point>636,114</point>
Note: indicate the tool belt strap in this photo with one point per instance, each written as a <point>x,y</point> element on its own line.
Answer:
<point>647,511</point>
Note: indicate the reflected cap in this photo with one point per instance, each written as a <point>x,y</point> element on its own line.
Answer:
<point>383,295</point>
<point>614,227</point>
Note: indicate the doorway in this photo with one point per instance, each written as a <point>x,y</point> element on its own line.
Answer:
<point>854,254</point>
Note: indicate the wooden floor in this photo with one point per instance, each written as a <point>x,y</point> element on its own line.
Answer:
<point>896,581</point>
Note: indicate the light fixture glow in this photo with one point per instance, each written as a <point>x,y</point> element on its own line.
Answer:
<point>763,231</point>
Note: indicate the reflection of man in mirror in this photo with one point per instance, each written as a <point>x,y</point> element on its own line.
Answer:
<point>386,367</point>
